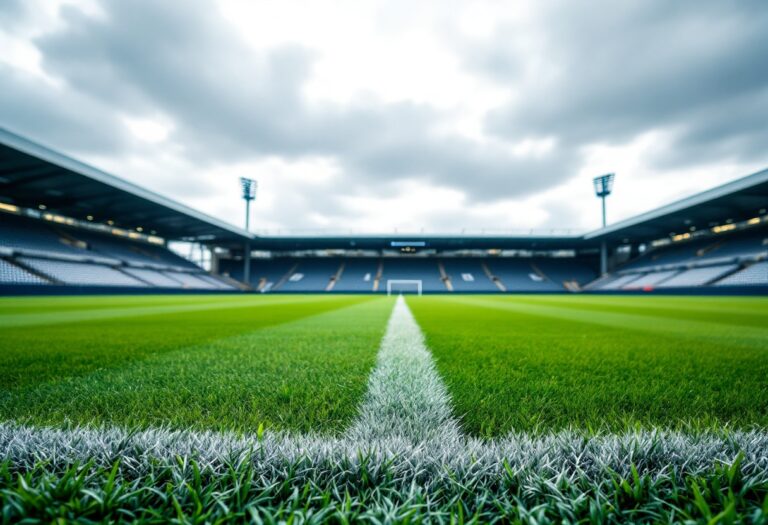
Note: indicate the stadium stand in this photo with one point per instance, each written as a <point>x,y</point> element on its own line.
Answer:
<point>267,274</point>
<point>468,275</point>
<point>311,275</point>
<point>12,274</point>
<point>32,237</point>
<point>153,277</point>
<point>519,275</point>
<point>130,252</point>
<point>45,252</point>
<point>72,226</point>
<point>358,275</point>
<point>699,276</point>
<point>752,275</point>
<point>711,260</point>
<point>68,272</point>
<point>571,273</point>
<point>651,279</point>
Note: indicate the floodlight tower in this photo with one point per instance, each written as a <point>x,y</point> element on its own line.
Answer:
<point>603,187</point>
<point>249,187</point>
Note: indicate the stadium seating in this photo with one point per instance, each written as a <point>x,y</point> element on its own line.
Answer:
<point>468,275</point>
<point>358,275</point>
<point>518,275</point>
<point>128,251</point>
<point>700,252</point>
<point>719,260</point>
<point>39,251</point>
<point>651,279</point>
<point>567,270</point>
<point>190,280</point>
<point>32,236</point>
<point>617,282</point>
<point>753,275</point>
<point>311,275</point>
<point>12,274</point>
<point>153,277</point>
<point>698,276</point>
<point>267,274</point>
<point>68,272</point>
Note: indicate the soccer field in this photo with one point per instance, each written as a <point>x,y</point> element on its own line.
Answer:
<point>492,405</point>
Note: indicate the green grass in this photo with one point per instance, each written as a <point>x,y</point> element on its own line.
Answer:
<point>542,363</point>
<point>227,362</point>
<point>234,491</point>
<point>301,364</point>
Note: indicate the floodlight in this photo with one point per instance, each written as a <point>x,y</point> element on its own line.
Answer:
<point>249,188</point>
<point>604,184</point>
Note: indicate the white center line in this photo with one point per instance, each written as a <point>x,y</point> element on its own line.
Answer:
<point>406,398</point>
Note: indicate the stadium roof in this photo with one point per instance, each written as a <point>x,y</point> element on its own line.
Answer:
<point>32,175</point>
<point>735,201</point>
<point>421,241</point>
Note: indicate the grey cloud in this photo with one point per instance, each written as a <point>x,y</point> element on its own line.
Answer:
<point>699,69</point>
<point>11,12</point>
<point>229,102</point>
<point>63,118</point>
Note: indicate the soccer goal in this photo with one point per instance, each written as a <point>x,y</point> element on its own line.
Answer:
<point>403,286</point>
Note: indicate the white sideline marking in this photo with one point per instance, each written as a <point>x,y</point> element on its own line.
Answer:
<point>406,398</point>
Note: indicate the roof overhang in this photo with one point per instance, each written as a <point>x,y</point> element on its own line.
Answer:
<point>31,175</point>
<point>734,201</point>
<point>418,241</point>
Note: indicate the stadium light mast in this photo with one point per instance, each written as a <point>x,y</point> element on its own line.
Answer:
<point>249,187</point>
<point>603,187</point>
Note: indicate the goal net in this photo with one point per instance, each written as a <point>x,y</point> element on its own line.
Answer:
<point>399,286</point>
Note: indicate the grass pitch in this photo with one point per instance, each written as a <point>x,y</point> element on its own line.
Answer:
<point>233,363</point>
<point>530,409</point>
<point>544,363</point>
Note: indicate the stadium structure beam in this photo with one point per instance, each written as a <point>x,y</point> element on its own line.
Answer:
<point>603,187</point>
<point>249,194</point>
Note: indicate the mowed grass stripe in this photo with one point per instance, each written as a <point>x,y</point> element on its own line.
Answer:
<point>749,312</point>
<point>689,327</point>
<point>94,310</point>
<point>33,355</point>
<point>308,375</point>
<point>513,366</point>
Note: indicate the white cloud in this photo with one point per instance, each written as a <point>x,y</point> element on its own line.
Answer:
<point>383,115</point>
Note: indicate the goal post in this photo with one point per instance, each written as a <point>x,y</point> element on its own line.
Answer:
<point>399,286</point>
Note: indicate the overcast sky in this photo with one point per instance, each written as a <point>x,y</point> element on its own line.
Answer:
<point>396,114</point>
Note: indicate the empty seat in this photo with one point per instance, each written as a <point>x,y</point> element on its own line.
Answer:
<point>12,274</point>
<point>358,275</point>
<point>315,275</point>
<point>619,282</point>
<point>518,275</point>
<point>651,279</point>
<point>754,275</point>
<point>153,277</point>
<point>190,280</point>
<point>698,276</point>
<point>87,274</point>
<point>467,275</point>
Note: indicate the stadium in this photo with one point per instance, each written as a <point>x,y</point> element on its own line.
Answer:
<point>161,363</point>
<point>70,228</point>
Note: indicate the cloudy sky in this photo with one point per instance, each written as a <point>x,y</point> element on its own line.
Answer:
<point>375,115</point>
